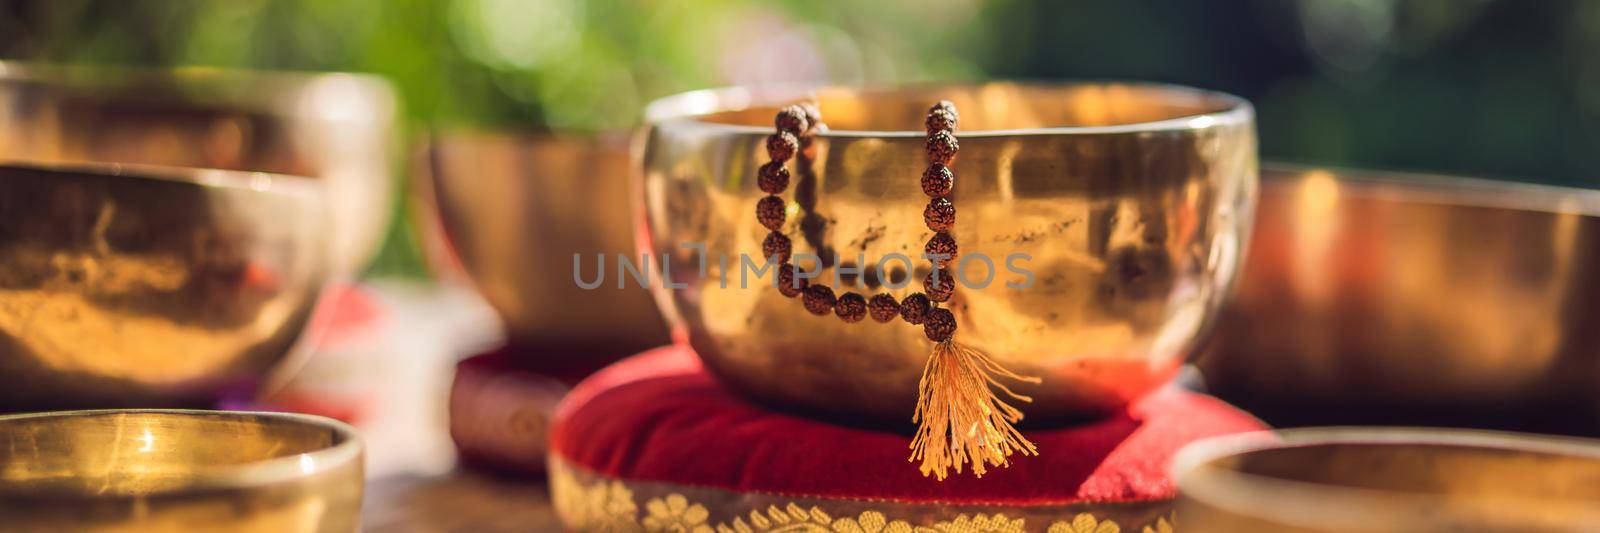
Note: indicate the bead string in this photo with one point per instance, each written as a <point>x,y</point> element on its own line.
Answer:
<point>797,126</point>
<point>960,419</point>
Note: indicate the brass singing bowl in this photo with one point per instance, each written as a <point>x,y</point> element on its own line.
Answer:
<point>134,286</point>
<point>338,128</point>
<point>1131,203</point>
<point>1366,296</point>
<point>176,470</point>
<point>510,211</point>
<point>1334,480</point>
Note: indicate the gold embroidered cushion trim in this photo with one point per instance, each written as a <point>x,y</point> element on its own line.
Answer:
<point>587,501</point>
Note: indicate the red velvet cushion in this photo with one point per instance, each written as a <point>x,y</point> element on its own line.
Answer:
<point>502,400</point>
<point>500,412</point>
<point>659,417</point>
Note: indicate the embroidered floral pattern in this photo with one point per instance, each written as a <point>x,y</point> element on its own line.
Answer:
<point>1161,526</point>
<point>601,507</point>
<point>875,522</point>
<point>980,524</point>
<point>1085,523</point>
<point>609,506</point>
<point>676,515</point>
<point>790,518</point>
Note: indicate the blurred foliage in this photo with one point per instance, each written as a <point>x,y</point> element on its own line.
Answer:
<point>1498,88</point>
<point>1490,87</point>
<point>560,64</point>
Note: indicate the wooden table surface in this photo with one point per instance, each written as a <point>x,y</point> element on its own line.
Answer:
<point>462,500</point>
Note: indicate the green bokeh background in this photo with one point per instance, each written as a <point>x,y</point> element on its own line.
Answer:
<point>1500,88</point>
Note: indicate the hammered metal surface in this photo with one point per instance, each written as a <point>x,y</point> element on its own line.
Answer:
<point>1131,203</point>
<point>143,287</point>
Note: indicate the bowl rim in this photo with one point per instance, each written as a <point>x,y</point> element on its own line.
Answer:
<point>212,178</point>
<point>246,475</point>
<point>693,106</point>
<point>1437,188</point>
<point>1247,494</point>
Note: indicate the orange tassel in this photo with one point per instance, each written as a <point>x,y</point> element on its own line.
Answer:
<point>960,418</point>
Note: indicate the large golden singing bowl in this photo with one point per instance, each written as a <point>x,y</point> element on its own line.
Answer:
<point>513,210</point>
<point>151,286</point>
<point>1368,297</point>
<point>1127,205</point>
<point>1366,480</point>
<point>173,470</point>
<point>337,128</point>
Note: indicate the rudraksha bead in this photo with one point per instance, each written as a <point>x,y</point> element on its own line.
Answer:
<point>940,324</point>
<point>940,120</point>
<point>883,308</point>
<point>943,247</point>
<point>851,307</point>
<point>789,284</point>
<point>770,211</point>
<point>773,178</point>
<point>819,299</point>
<point>792,119</point>
<point>949,108</point>
<point>914,308</point>
<point>781,146</point>
<point>940,214</point>
<point>937,180</point>
<point>942,147</point>
<point>813,118</point>
<point>939,285</point>
<point>776,244</point>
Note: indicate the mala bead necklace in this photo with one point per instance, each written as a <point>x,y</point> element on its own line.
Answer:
<point>960,420</point>
<point>959,417</point>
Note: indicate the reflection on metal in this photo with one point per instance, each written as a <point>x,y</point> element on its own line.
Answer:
<point>1387,480</point>
<point>148,286</point>
<point>512,211</point>
<point>1133,215</point>
<point>1370,294</point>
<point>337,128</point>
<point>160,471</point>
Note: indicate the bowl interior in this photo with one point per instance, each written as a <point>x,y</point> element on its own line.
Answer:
<point>1000,106</point>
<point>1424,468</point>
<point>1345,480</point>
<point>146,452</point>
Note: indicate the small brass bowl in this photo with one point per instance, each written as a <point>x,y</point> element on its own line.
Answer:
<point>176,470</point>
<point>1388,480</point>
<point>1128,205</point>
<point>335,127</point>
<point>130,286</point>
<point>1370,297</point>
<point>512,210</point>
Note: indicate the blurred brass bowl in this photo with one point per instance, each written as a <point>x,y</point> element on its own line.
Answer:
<point>1388,480</point>
<point>1366,296</point>
<point>151,286</point>
<point>1132,202</point>
<point>512,211</point>
<point>174,470</point>
<point>337,128</point>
